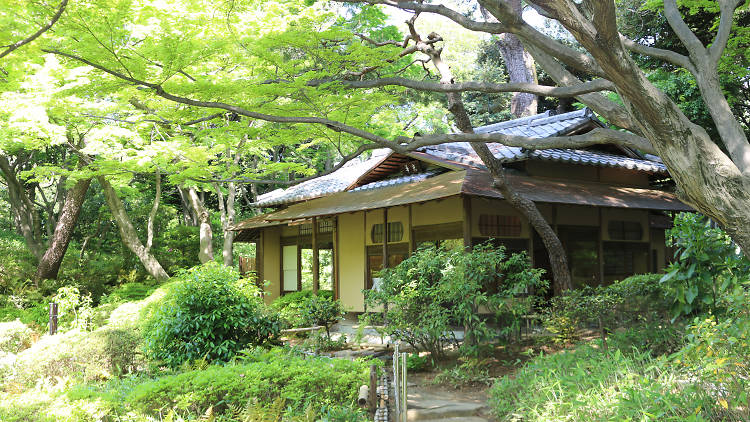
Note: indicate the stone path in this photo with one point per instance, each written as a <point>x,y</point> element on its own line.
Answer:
<point>431,405</point>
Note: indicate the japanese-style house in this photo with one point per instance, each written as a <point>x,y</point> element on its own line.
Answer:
<point>609,205</point>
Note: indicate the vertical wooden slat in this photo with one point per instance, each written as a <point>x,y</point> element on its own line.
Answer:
<point>299,258</point>
<point>467,221</point>
<point>385,237</point>
<point>412,244</point>
<point>601,246</point>
<point>315,257</point>
<point>335,258</point>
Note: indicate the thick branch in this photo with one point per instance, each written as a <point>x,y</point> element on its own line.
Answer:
<point>37,34</point>
<point>159,90</point>
<point>594,137</point>
<point>486,87</point>
<point>726,19</point>
<point>684,33</point>
<point>658,53</point>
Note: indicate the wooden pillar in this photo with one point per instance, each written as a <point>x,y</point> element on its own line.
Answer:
<point>385,237</point>
<point>315,257</point>
<point>601,247</point>
<point>335,258</point>
<point>467,222</point>
<point>259,259</point>
<point>412,243</point>
<point>299,258</point>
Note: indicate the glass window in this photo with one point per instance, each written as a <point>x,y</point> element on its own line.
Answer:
<point>625,230</point>
<point>499,225</point>
<point>395,232</point>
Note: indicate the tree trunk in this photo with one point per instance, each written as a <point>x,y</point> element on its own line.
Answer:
<point>206,247</point>
<point>227,210</point>
<point>188,214</point>
<point>521,68</point>
<point>25,215</point>
<point>49,265</point>
<point>128,232</point>
<point>558,259</point>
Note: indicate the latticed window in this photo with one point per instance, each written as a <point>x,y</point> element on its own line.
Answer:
<point>499,225</point>
<point>625,230</point>
<point>395,232</point>
<point>324,226</point>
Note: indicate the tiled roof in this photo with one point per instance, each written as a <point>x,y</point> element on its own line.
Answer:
<point>396,181</point>
<point>540,126</point>
<point>337,181</point>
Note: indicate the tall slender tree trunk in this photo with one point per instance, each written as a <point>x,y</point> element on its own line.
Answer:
<point>49,265</point>
<point>128,233</point>
<point>227,210</point>
<point>25,215</point>
<point>206,247</point>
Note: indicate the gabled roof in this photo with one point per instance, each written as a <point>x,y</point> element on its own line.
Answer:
<point>472,182</point>
<point>541,126</point>
<point>456,155</point>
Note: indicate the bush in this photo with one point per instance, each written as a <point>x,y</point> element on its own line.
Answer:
<point>585,384</point>
<point>14,336</point>
<point>263,376</point>
<point>436,288</point>
<point>470,372</point>
<point>100,354</point>
<point>210,313</point>
<point>291,306</point>
<point>707,267</point>
<point>319,310</point>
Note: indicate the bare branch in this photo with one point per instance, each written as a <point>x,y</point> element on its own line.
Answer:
<point>726,18</point>
<point>658,53</point>
<point>684,33</point>
<point>37,34</point>
<point>595,137</point>
<point>486,87</point>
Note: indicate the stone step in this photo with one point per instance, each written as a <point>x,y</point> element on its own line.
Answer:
<point>461,419</point>
<point>425,410</point>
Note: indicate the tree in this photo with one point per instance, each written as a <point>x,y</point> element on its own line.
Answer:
<point>311,71</point>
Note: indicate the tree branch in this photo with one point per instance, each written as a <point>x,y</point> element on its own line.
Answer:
<point>658,53</point>
<point>550,91</point>
<point>37,34</point>
<point>594,137</point>
<point>159,90</point>
<point>726,18</point>
<point>689,39</point>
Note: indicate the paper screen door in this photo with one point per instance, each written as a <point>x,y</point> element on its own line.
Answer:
<point>289,262</point>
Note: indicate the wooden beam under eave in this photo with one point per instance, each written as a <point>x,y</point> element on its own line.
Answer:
<point>315,257</point>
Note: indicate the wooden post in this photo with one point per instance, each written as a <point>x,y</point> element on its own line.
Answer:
<point>372,400</point>
<point>335,257</point>
<point>53,318</point>
<point>299,259</point>
<point>467,222</point>
<point>385,238</point>
<point>412,243</point>
<point>315,257</point>
<point>601,247</point>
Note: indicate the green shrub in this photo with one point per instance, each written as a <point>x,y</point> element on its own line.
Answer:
<point>437,288</point>
<point>263,376</point>
<point>100,354</point>
<point>585,384</point>
<point>416,363</point>
<point>210,313</point>
<point>707,267</point>
<point>657,338</point>
<point>470,372</point>
<point>14,336</point>
<point>322,311</point>
<point>291,306</point>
